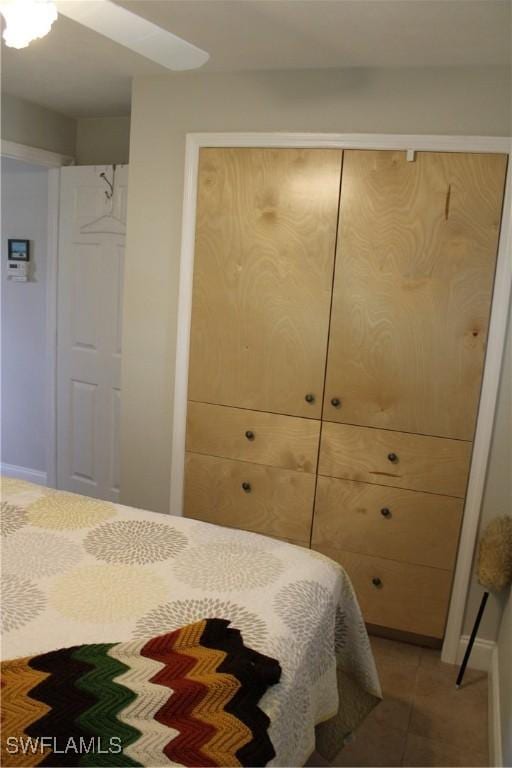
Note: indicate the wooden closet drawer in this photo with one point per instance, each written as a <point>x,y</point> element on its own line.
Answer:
<point>408,526</point>
<point>409,598</point>
<point>262,438</point>
<point>400,459</point>
<point>275,502</point>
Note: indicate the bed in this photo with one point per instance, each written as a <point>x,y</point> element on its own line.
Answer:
<point>79,570</point>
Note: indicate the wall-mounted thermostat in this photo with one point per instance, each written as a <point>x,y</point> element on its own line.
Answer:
<point>18,256</point>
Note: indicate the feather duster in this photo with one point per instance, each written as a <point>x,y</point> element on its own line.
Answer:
<point>495,555</point>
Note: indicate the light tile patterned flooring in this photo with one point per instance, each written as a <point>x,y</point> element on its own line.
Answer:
<point>423,720</point>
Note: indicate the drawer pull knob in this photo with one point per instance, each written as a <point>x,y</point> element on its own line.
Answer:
<point>376,581</point>
<point>336,402</point>
<point>385,512</point>
<point>309,398</point>
<point>393,458</point>
<point>246,487</point>
<point>249,435</point>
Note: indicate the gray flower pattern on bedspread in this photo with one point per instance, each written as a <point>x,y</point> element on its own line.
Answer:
<point>134,542</point>
<point>22,602</point>
<point>180,612</point>
<point>304,606</point>
<point>12,518</point>
<point>227,566</point>
<point>39,553</point>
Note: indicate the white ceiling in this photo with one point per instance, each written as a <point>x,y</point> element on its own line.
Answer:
<point>77,72</point>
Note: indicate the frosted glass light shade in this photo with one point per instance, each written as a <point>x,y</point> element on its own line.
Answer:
<point>26,20</point>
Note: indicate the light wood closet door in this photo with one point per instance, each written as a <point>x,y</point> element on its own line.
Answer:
<point>412,290</point>
<point>265,241</point>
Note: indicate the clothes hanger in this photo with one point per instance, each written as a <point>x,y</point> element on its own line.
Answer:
<point>107,224</point>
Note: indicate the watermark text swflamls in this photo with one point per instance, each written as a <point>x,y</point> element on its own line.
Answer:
<point>81,745</point>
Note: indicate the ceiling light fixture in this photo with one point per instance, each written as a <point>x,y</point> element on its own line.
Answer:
<point>26,20</point>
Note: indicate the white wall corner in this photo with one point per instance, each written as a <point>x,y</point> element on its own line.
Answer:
<point>495,743</point>
<point>24,473</point>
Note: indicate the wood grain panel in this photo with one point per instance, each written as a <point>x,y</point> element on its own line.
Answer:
<point>411,598</point>
<point>279,441</point>
<point>280,502</point>
<point>265,239</point>
<point>432,464</point>
<point>408,526</point>
<point>414,270</point>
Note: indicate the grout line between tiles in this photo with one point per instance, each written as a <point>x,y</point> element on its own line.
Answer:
<point>413,702</point>
<point>415,671</point>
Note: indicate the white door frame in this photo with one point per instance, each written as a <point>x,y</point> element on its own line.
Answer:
<point>53,161</point>
<point>34,155</point>
<point>496,334</point>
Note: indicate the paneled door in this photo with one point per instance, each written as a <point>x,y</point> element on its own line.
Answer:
<point>413,281</point>
<point>264,256</point>
<point>90,279</point>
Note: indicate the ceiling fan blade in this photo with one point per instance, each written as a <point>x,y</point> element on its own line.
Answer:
<point>134,32</point>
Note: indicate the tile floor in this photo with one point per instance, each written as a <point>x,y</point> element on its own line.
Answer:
<point>423,720</point>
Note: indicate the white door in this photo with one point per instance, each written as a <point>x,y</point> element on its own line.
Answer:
<point>91,254</point>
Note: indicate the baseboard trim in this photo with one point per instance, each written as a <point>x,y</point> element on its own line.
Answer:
<point>485,657</point>
<point>24,473</point>
<point>495,743</point>
<point>481,654</point>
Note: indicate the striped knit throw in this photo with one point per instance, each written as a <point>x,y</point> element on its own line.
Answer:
<point>189,697</point>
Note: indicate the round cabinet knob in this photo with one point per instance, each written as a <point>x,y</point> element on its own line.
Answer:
<point>385,512</point>
<point>376,581</point>
<point>393,458</point>
<point>309,398</point>
<point>249,434</point>
<point>246,487</point>
<point>336,402</point>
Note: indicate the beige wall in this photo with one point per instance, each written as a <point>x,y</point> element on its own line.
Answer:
<point>164,109</point>
<point>24,203</point>
<point>497,495</point>
<point>91,140</point>
<point>27,123</point>
<point>102,140</point>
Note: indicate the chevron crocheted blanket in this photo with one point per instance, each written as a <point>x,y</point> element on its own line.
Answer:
<point>189,697</point>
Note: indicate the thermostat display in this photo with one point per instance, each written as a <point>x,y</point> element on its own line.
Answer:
<point>18,255</point>
<point>18,250</point>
